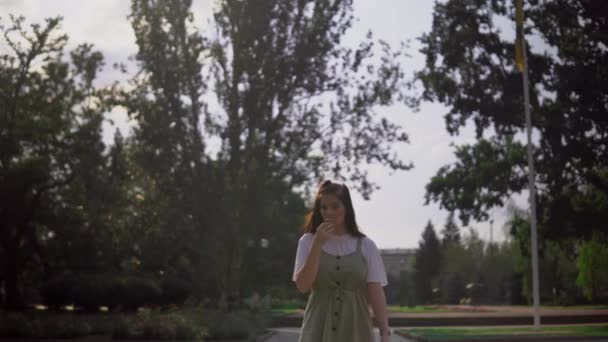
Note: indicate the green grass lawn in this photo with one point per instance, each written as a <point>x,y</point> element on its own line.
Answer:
<point>415,309</point>
<point>284,310</point>
<point>592,307</point>
<point>455,334</point>
<point>289,309</point>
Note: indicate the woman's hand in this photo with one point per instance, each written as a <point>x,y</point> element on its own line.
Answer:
<point>325,231</point>
<point>385,338</point>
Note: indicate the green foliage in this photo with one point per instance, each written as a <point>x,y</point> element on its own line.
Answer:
<point>117,291</point>
<point>557,264</point>
<point>175,291</point>
<point>450,232</point>
<point>498,268</point>
<point>471,69</point>
<point>235,325</point>
<point>51,116</point>
<point>482,178</point>
<point>138,291</point>
<point>157,201</point>
<point>408,289</point>
<point>468,334</point>
<point>275,64</point>
<point>13,324</point>
<point>427,264</point>
<point>454,288</point>
<point>593,269</point>
<point>154,325</point>
<point>475,272</point>
<point>56,292</point>
<point>290,95</point>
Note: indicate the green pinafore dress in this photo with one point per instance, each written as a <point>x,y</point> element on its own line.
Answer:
<point>337,309</point>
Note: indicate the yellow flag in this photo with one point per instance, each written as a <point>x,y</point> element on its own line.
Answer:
<point>519,41</point>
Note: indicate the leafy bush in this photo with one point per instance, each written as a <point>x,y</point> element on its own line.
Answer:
<point>15,324</point>
<point>175,291</point>
<point>90,291</point>
<point>229,326</point>
<point>171,326</point>
<point>138,291</point>
<point>153,325</point>
<point>47,326</point>
<point>235,325</point>
<point>93,291</point>
<point>58,291</point>
<point>128,328</point>
<point>64,327</point>
<point>593,268</point>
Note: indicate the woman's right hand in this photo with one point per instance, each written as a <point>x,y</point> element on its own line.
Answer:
<point>324,231</point>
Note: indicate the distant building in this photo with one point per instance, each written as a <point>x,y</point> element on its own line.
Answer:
<point>397,260</point>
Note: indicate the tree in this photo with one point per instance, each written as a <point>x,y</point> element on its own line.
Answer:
<point>427,264</point>
<point>471,69</point>
<point>283,83</point>
<point>450,232</point>
<point>593,269</point>
<point>557,264</point>
<point>498,267</point>
<point>50,115</point>
<point>405,289</point>
<point>296,106</point>
<point>178,182</point>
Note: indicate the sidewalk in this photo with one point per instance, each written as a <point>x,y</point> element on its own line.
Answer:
<point>291,335</point>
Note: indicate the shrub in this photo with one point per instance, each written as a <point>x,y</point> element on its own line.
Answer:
<point>47,326</point>
<point>139,291</point>
<point>64,327</point>
<point>153,325</point>
<point>235,325</point>
<point>93,291</point>
<point>15,325</point>
<point>90,291</point>
<point>229,326</point>
<point>127,328</point>
<point>58,291</point>
<point>175,291</point>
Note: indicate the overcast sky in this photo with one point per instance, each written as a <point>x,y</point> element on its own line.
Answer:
<point>396,214</point>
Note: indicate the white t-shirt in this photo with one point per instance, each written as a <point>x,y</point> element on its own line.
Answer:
<point>342,245</point>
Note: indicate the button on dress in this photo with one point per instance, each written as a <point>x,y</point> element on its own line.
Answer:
<point>337,308</point>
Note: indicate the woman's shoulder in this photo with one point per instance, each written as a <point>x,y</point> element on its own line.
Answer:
<point>368,243</point>
<point>306,237</point>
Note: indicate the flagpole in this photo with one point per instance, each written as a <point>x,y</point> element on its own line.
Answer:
<point>531,189</point>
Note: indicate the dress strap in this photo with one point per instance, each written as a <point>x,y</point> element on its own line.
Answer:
<point>359,241</point>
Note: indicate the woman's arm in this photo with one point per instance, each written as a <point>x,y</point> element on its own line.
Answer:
<point>306,276</point>
<point>377,300</point>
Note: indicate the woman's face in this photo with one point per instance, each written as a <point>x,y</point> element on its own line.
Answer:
<point>332,209</point>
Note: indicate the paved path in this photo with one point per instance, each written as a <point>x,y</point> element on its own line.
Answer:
<point>291,335</point>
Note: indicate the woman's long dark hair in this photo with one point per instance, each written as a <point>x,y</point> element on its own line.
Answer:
<point>314,218</point>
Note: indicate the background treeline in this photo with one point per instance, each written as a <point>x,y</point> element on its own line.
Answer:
<point>234,125</point>
<point>451,267</point>
<point>204,197</point>
<point>470,69</point>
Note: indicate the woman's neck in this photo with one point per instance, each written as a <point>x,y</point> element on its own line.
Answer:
<point>340,230</point>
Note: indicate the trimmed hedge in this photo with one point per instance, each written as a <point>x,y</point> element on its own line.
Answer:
<point>127,292</point>
<point>192,323</point>
<point>152,325</point>
<point>20,325</point>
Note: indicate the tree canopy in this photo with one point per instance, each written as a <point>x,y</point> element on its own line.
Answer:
<point>470,67</point>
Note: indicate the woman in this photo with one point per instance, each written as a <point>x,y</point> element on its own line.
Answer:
<point>343,270</point>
